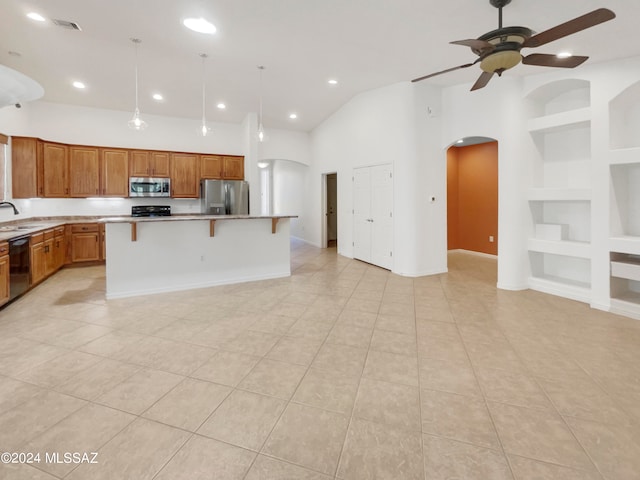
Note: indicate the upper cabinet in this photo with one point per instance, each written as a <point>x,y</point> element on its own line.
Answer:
<point>226,167</point>
<point>185,175</point>
<point>84,168</point>
<point>233,168</point>
<point>149,164</point>
<point>55,170</point>
<point>114,172</point>
<point>211,166</point>
<point>26,177</point>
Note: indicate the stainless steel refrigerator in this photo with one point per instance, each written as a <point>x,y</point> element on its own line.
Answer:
<point>224,197</point>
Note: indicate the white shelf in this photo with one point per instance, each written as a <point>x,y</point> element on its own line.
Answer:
<point>559,194</point>
<point>625,156</point>
<point>627,304</point>
<point>561,287</point>
<point>625,244</point>
<point>563,247</point>
<point>628,268</point>
<point>560,121</point>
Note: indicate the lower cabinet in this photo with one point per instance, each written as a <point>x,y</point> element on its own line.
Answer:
<point>4,273</point>
<point>86,242</point>
<point>38,258</point>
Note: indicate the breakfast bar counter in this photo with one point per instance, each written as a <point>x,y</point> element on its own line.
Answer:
<point>146,255</point>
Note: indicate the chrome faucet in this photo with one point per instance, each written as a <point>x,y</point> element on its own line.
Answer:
<point>9,204</point>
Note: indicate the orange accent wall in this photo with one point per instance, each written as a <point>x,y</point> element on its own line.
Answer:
<point>472,197</point>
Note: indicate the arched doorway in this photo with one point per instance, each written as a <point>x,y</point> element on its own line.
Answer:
<point>472,195</point>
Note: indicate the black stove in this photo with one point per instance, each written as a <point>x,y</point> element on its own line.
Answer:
<point>151,211</point>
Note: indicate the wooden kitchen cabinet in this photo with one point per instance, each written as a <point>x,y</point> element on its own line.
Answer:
<point>59,248</point>
<point>233,168</point>
<point>84,172</point>
<point>37,258</point>
<point>211,166</point>
<point>159,164</point>
<point>185,175</point>
<point>4,273</point>
<point>26,173</point>
<point>226,167</point>
<point>55,170</point>
<point>145,163</point>
<point>114,172</point>
<point>85,242</point>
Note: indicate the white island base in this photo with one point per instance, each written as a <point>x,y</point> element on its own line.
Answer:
<point>155,255</point>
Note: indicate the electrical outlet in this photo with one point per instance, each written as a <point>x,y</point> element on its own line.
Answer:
<point>490,238</point>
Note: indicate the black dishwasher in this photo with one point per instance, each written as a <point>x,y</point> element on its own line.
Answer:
<point>19,266</point>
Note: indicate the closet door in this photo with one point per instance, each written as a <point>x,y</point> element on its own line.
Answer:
<point>373,215</point>
<point>362,225</point>
<point>382,216</point>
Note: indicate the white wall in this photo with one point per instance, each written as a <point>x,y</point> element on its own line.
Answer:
<point>379,127</point>
<point>497,112</point>
<point>289,192</point>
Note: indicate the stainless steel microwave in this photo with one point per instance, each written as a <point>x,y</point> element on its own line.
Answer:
<point>149,187</point>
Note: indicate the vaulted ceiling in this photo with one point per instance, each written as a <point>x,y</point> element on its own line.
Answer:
<point>364,44</point>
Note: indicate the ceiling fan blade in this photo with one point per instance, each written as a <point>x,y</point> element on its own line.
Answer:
<point>443,71</point>
<point>578,24</point>
<point>544,60</point>
<point>482,80</point>
<point>475,44</point>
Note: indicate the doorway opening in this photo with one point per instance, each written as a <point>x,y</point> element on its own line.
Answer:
<point>472,196</point>
<point>330,207</point>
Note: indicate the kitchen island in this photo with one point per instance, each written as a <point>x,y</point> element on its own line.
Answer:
<point>150,255</point>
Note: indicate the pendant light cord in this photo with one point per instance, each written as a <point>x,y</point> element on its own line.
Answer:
<point>204,89</point>
<point>136,41</point>
<point>261,68</point>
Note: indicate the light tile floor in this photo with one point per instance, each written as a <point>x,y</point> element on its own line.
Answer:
<point>341,371</point>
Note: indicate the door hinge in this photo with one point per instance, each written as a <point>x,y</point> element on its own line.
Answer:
<point>353,179</point>
<point>353,210</point>
<point>390,174</point>
<point>353,244</point>
<point>391,254</point>
<point>391,214</point>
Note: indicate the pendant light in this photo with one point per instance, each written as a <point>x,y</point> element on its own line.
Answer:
<point>204,129</point>
<point>261,134</point>
<point>136,123</point>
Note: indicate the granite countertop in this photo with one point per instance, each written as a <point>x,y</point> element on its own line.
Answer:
<point>199,216</point>
<point>29,226</point>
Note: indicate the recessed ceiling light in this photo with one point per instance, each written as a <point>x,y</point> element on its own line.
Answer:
<point>333,81</point>
<point>293,116</point>
<point>79,85</point>
<point>564,55</point>
<point>221,106</point>
<point>36,16</point>
<point>157,96</point>
<point>199,25</point>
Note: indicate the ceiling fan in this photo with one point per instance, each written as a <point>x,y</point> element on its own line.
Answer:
<point>499,50</point>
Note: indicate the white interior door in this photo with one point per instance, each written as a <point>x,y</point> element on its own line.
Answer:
<point>332,207</point>
<point>382,216</point>
<point>373,215</point>
<point>362,214</point>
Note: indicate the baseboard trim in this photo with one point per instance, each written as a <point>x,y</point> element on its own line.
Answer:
<point>471,252</point>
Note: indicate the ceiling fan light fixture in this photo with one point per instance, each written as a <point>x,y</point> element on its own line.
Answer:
<point>199,25</point>
<point>498,62</point>
<point>564,55</point>
<point>36,16</point>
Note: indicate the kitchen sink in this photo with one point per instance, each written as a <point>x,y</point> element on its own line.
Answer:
<point>13,228</point>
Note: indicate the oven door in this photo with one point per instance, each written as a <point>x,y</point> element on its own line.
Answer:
<point>149,187</point>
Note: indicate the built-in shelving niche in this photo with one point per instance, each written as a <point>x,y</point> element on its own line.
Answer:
<point>624,160</point>
<point>624,119</point>
<point>625,283</point>
<point>560,190</point>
